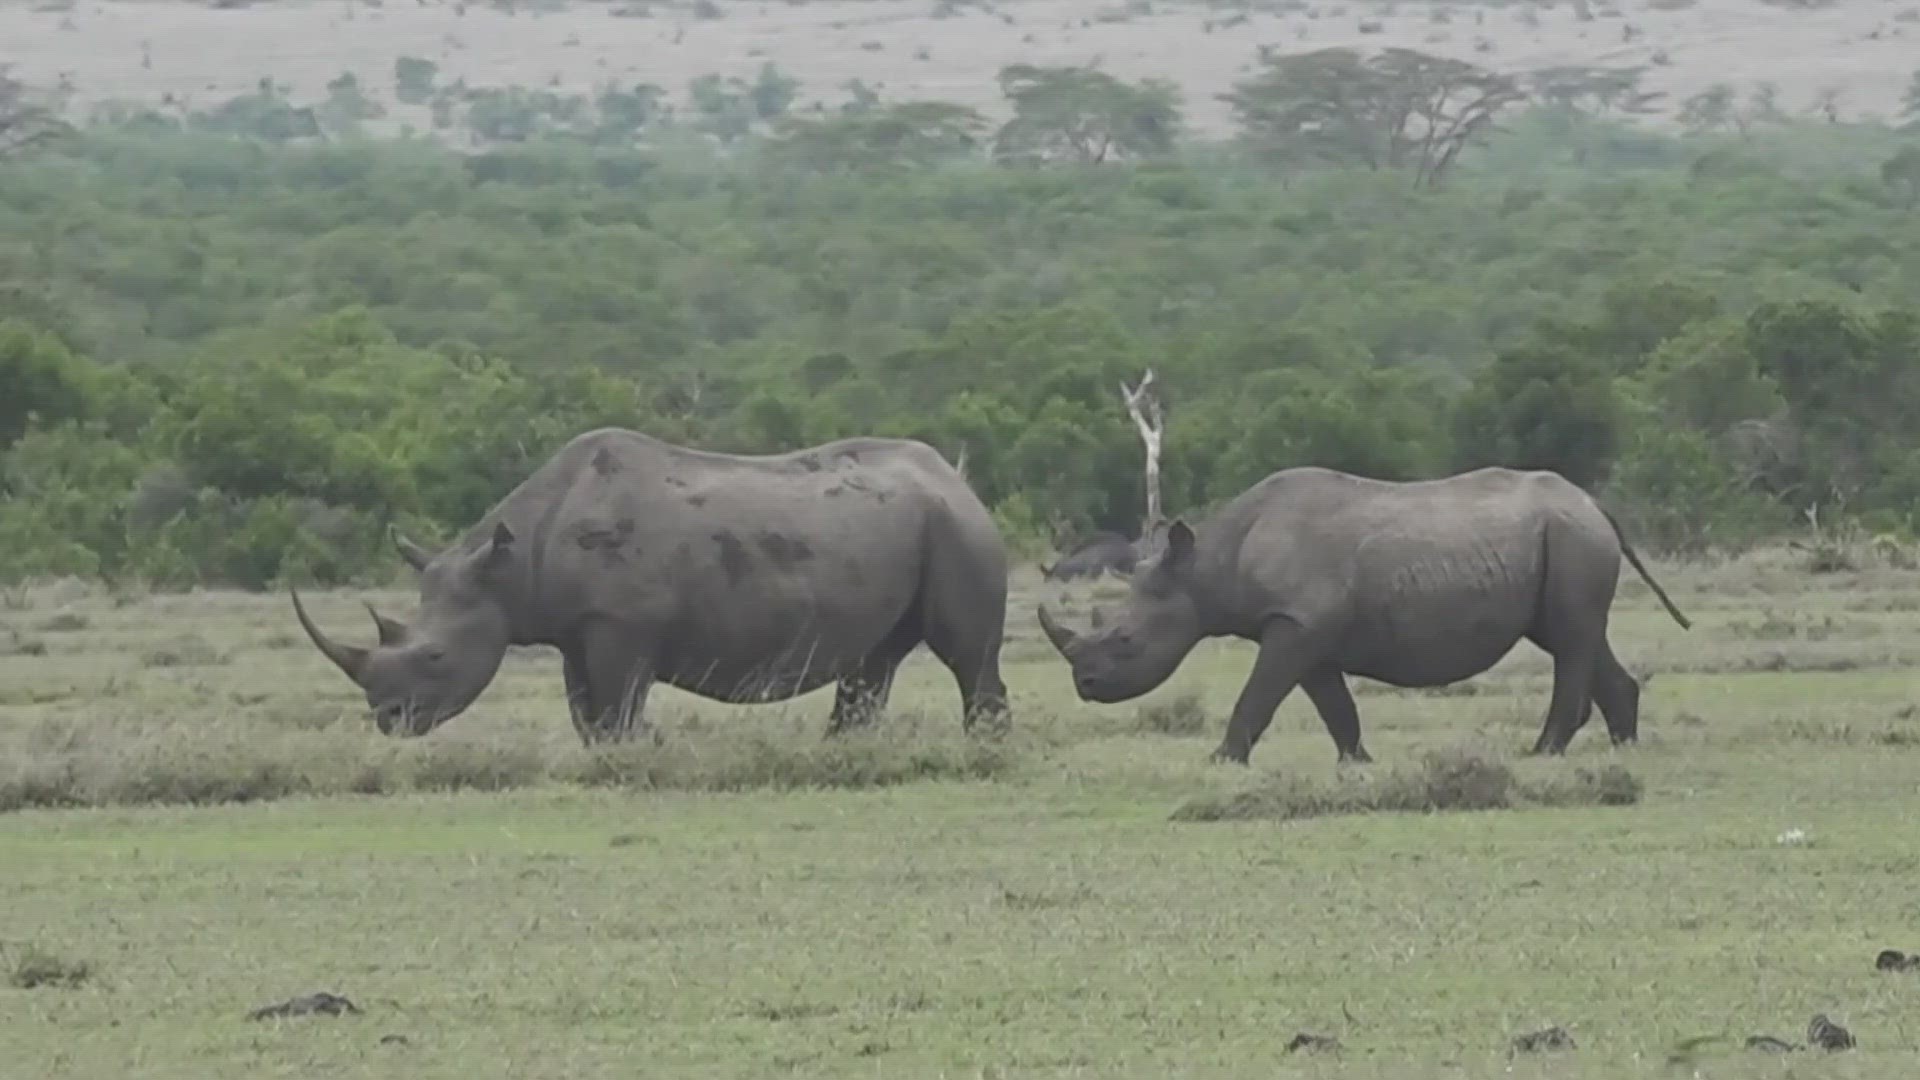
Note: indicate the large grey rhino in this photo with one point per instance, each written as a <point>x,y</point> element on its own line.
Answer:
<point>1101,553</point>
<point>1414,584</point>
<point>738,578</point>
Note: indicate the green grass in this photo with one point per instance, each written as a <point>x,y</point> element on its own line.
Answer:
<point>1087,897</point>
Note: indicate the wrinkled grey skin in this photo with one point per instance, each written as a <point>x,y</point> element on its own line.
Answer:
<point>1412,584</point>
<point>738,578</point>
<point>1101,553</point>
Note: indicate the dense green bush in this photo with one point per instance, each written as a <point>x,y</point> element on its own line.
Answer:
<point>244,352</point>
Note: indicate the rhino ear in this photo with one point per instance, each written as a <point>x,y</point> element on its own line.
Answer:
<point>1179,544</point>
<point>500,548</point>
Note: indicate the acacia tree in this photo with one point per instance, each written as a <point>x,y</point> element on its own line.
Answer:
<point>1710,110</point>
<point>24,122</point>
<point>909,134</point>
<point>1902,173</point>
<point>1594,91</point>
<point>1399,109</point>
<point>1085,116</point>
<point>1576,93</point>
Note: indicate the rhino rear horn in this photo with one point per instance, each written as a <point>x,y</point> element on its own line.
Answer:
<point>348,658</point>
<point>392,631</point>
<point>1062,638</point>
<point>415,555</point>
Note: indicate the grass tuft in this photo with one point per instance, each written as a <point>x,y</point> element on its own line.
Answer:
<point>188,650</point>
<point>169,766</point>
<point>1452,780</point>
<point>33,967</point>
<point>1181,715</point>
<point>474,767</point>
<point>65,622</point>
<point>18,644</point>
<point>723,761</point>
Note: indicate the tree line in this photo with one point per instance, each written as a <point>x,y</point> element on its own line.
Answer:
<point>237,344</point>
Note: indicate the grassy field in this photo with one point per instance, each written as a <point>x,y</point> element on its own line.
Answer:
<point>1088,898</point>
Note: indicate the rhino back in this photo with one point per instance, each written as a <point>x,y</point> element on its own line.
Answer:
<point>736,563</point>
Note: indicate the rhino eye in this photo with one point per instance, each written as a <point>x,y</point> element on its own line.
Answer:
<point>435,655</point>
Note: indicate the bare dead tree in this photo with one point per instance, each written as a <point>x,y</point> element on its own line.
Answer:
<point>1143,404</point>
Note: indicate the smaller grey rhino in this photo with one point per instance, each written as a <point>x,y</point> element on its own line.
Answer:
<point>1413,584</point>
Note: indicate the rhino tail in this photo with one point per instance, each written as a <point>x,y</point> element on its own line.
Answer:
<point>1633,557</point>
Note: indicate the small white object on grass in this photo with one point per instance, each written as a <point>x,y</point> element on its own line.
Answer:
<point>1792,837</point>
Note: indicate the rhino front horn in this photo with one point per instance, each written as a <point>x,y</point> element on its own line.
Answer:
<point>1062,638</point>
<point>347,658</point>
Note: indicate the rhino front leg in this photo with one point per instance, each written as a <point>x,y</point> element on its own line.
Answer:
<point>573,670</point>
<point>618,676</point>
<point>861,697</point>
<point>1287,653</point>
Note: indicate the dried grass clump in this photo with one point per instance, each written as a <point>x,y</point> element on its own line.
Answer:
<point>1180,715</point>
<point>32,966</point>
<point>1451,780</point>
<point>169,765</point>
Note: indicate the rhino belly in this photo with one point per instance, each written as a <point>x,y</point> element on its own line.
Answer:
<point>1440,629</point>
<point>776,678</point>
<point>774,652</point>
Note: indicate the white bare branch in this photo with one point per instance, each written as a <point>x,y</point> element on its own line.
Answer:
<point>1144,406</point>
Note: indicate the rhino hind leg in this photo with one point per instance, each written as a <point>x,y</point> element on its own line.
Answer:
<point>1572,701</point>
<point>1327,689</point>
<point>1617,693</point>
<point>963,614</point>
<point>969,645</point>
<point>1570,625</point>
<point>976,671</point>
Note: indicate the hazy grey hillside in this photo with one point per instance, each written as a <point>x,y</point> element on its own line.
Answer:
<point>1855,56</point>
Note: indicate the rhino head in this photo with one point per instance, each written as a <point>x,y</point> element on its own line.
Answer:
<point>421,675</point>
<point>1128,654</point>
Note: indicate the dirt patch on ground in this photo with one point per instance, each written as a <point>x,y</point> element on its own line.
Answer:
<point>1859,54</point>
